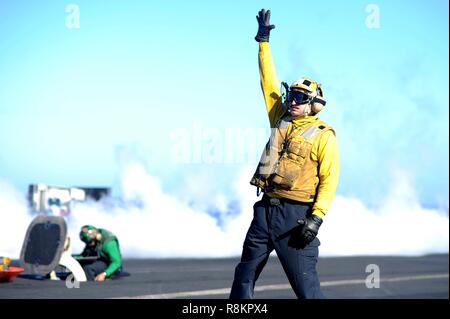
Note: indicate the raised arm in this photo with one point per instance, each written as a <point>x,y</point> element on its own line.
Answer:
<point>269,82</point>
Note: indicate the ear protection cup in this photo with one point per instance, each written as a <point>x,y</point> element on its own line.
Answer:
<point>318,101</point>
<point>316,107</point>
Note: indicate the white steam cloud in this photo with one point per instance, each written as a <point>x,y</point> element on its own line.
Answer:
<point>152,223</point>
<point>399,226</point>
<point>14,220</point>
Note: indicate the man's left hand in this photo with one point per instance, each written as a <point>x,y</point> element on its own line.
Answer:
<point>101,277</point>
<point>310,228</point>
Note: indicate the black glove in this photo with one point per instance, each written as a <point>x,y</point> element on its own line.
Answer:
<point>310,228</point>
<point>264,28</point>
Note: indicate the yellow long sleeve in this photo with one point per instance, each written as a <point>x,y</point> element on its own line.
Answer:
<point>269,84</point>
<point>325,151</point>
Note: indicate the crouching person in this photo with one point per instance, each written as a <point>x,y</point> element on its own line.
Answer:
<point>105,245</point>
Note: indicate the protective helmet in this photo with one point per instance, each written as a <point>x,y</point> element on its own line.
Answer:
<point>88,233</point>
<point>313,90</point>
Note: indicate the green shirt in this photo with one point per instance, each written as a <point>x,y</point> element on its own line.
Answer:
<point>112,253</point>
<point>108,249</point>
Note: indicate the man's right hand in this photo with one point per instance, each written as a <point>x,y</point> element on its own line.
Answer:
<point>264,26</point>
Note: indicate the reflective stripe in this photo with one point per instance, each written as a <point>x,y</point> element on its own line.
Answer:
<point>310,132</point>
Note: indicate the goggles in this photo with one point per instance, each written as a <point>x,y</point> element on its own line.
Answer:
<point>298,97</point>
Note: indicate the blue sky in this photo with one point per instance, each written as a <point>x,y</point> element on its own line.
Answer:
<point>135,72</point>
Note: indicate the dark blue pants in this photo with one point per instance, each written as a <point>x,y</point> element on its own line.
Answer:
<point>274,226</point>
<point>92,270</point>
<point>99,266</point>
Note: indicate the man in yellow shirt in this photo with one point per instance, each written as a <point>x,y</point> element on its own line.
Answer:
<point>298,173</point>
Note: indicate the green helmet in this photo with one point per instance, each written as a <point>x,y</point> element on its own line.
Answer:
<point>87,233</point>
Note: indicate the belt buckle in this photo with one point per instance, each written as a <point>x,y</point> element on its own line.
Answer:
<point>274,201</point>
